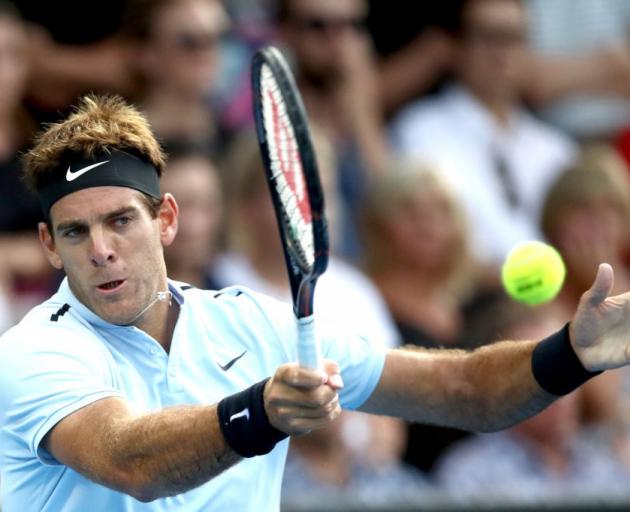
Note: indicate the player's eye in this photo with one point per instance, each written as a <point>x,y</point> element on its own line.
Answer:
<point>73,233</point>
<point>121,221</point>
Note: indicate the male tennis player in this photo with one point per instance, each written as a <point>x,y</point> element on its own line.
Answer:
<point>128,391</point>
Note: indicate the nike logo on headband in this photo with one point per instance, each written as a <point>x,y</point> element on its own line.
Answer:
<point>71,176</point>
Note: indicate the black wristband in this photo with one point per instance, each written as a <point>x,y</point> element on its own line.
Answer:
<point>555,365</point>
<point>244,422</point>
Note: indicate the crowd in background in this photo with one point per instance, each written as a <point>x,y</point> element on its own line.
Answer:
<point>446,133</point>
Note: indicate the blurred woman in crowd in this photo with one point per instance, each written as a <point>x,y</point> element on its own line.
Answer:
<point>586,216</point>
<point>416,252</point>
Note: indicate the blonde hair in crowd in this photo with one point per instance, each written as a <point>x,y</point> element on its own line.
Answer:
<point>391,189</point>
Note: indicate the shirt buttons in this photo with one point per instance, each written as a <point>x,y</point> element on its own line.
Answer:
<point>155,350</point>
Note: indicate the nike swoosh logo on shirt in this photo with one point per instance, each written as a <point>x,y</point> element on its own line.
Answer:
<point>71,176</point>
<point>229,364</point>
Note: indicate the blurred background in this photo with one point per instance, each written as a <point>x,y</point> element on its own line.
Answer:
<point>446,133</point>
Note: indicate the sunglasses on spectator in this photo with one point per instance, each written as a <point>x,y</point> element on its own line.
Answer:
<point>495,36</point>
<point>321,25</point>
<point>195,42</point>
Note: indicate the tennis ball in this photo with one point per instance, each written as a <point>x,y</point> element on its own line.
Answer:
<point>533,273</point>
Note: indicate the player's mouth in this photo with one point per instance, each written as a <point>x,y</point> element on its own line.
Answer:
<point>111,286</point>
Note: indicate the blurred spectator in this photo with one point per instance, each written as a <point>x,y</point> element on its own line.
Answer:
<point>337,75</point>
<point>586,216</point>
<point>497,157</point>
<point>417,253</point>
<point>581,74</point>
<point>22,261</point>
<point>336,70</point>
<point>74,53</point>
<point>549,457</point>
<point>176,52</point>
<point>417,55</point>
<point>191,176</point>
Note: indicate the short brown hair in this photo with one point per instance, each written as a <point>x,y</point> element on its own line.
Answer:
<point>98,123</point>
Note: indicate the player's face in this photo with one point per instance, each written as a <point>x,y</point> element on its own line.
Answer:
<point>492,48</point>
<point>111,248</point>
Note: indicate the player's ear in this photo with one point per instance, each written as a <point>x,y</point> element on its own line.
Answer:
<point>48,243</point>
<point>167,217</point>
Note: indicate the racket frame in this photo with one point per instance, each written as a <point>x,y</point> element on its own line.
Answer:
<point>302,279</point>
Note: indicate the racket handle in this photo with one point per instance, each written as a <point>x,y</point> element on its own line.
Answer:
<point>308,345</point>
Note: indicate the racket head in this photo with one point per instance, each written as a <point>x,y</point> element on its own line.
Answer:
<point>292,173</point>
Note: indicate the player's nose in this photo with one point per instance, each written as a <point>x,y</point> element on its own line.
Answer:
<point>101,249</point>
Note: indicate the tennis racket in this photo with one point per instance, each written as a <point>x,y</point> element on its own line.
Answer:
<point>291,170</point>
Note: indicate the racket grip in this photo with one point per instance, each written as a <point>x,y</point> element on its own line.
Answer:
<point>308,346</point>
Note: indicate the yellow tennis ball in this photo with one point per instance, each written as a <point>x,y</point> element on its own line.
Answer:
<point>533,273</point>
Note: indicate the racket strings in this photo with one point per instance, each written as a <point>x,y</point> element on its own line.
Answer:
<point>287,170</point>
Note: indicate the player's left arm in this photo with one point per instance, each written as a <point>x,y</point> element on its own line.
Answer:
<point>488,389</point>
<point>495,386</point>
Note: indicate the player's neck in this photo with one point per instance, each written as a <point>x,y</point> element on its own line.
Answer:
<point>160,321</point>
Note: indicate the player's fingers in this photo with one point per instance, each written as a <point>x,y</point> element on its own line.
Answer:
<point>602,286</point>
<point>303,425</point>
<point>299,421</point>
<point>295,411</point>
<point>334,374</point>
<point>294,375</point>
<point>283,395</point>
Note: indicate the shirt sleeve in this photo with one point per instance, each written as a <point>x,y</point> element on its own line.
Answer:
<point>45,375</point>
<point>360,359</point>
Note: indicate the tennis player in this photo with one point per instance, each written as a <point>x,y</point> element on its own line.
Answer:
<point>129,391</point>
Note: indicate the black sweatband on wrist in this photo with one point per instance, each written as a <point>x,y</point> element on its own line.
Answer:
<point>244,422</point>
<point>555,365</point>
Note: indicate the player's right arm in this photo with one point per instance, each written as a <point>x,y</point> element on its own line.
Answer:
<point>165,453</point>
<point>145,456</point>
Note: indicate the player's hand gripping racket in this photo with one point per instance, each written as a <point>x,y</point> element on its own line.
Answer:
<point>291,168</point>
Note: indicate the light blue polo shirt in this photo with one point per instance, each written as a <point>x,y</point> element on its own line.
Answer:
<point>62,356</point>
